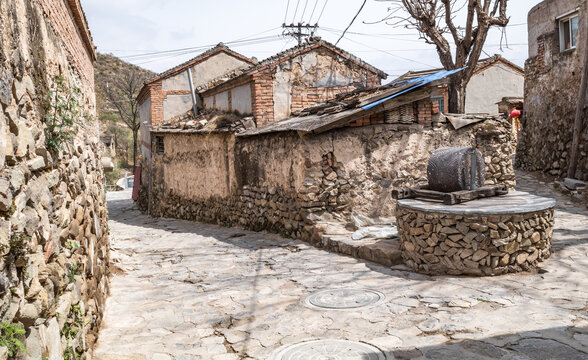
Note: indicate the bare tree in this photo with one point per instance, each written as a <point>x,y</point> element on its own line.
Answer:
<point>434,19</point>
<point>121,94</point>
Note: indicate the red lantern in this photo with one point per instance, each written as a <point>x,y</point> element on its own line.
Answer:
<point>515,114</point>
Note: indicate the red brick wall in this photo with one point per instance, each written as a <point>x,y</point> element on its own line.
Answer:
<point>424,112</point>
<point>262,98</point>
<point>157,97</point>
<point>303,97</point>
<point>62,18</point>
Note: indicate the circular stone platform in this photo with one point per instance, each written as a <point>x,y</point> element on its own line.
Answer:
<point>492,236</point>
<point>343,299</point>
<point>329,349</point>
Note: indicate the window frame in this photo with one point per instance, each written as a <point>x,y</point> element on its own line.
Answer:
<point>159,145</point>
<point>561,21</point>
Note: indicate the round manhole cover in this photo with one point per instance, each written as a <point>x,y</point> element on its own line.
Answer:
<point>329,350</point>
<point>343,299</point>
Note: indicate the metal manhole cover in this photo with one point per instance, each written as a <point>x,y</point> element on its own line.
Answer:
<point>343,299</point>
<point>329,350</point>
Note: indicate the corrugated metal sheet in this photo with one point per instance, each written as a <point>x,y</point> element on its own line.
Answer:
<point>418,82</point>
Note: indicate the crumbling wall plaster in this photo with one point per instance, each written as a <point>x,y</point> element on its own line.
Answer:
<point>551,95</point>
<point>288,183</point>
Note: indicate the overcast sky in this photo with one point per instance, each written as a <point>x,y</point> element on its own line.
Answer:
<point>135,29</point>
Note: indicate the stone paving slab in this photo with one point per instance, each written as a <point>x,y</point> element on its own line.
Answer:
<point>185,290</point>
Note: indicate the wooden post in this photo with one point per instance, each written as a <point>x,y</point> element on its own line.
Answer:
<point>581,103</point>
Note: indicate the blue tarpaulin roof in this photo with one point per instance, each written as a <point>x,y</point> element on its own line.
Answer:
<point>420,81</point>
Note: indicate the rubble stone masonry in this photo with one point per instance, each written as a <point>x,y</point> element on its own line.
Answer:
<point>53,216</point>
<point>551,94</point>
<point>288,183</point>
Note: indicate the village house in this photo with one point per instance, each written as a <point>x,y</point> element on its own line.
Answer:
<point>495,78</point>
<point>169,94</point>
<point>269,90</point>
<point>324,163</point>
<point>553,71</point>
<point>291,80</point>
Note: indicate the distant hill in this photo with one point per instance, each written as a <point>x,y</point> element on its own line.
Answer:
<point>106,70</point>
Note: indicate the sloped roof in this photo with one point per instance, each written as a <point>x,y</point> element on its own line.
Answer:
<point>220,47</point>
<point>482,65</point>
<point>313,43</point>
<point>348,107</point>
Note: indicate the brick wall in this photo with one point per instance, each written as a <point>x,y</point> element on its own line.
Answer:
<point>303,97</point>
<point>64,22</point>
<point>157,97</point>
<point>262,97</point>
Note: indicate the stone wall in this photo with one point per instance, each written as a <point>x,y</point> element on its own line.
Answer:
<point>287,183</point>
<point>551,94</point>
<point>53,219</point>
<point>438,243</point>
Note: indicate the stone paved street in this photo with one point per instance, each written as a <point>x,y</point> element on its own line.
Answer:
<point>186,290</point>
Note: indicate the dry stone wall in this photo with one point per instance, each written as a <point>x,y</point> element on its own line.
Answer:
<point>53,219</point>
<point>437,243</point>
<point>287,183</point>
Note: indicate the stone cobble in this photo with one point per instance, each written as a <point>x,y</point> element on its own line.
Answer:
<point>185,290</point>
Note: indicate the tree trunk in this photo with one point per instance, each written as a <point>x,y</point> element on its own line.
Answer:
<point>135,148</point>
<point>457,96</point>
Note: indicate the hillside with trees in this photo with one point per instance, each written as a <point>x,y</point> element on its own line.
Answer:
<point>117,85</point>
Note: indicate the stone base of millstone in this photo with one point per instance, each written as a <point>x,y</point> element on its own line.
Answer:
<point>438,243</point>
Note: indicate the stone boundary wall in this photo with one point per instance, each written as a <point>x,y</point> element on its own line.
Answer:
<point>286,183</point>
<point>53,216</point>
<point>437,243</point>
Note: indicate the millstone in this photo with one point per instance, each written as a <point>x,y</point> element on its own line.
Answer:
<point>329,350</point>
<point>343,299</point>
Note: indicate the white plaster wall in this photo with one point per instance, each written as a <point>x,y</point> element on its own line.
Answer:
<point>215,66</point>
<point>145,126</point>
<point>176,82</point>
<point>282,93</point>
<point>241,99</point>
<point>222,101</point>
<point>208,102</point>
<point>489,87</point>
<point>175,105</point>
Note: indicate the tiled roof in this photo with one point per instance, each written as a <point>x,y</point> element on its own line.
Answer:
<point>313,43</point>
<point>220,47</point>
<point>482,64</point>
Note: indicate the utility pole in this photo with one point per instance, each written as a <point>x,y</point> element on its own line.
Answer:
<point>299,31</point>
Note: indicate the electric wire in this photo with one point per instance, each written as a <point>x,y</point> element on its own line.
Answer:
<point>312,13</point>
<point>351,23</point>
<point>322,11</point>
<point>295,11</point>
<point>287,8</point>
<point>303,11</point>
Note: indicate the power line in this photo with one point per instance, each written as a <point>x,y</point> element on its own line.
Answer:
<point>389,53</point>
<point>303,11</point>
<point>322,11</point>
<point>351,23</point>
<point>295,11</point>
<point>287,8</point>
<point>312,13</point>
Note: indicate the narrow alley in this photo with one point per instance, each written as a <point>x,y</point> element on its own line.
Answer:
<point>186,290</point>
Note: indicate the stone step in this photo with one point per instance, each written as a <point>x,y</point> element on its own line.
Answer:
<point>381,251</point>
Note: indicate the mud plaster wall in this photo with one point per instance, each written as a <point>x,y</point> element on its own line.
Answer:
<point>288,183</point>
<point>316,69</point>
<point>551,95</point>
<point>53,218</point>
